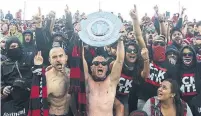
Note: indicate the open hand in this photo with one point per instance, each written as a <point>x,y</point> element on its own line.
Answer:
<point>133,13</point>
<point>38,59</point>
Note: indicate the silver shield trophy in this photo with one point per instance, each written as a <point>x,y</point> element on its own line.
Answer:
<point>100,29</point>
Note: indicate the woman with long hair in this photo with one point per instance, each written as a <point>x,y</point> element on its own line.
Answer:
<point>167,102</point>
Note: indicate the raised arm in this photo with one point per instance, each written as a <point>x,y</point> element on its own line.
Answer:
<point>163,29</point>
<point>146,70</point>
<point>85,65</point>
<point>118,63</point>
<point>136,27</point>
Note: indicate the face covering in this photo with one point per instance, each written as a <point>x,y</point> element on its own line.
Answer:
<point>188,58</point>
<point>19,94</point>
<point>159,53</point>
<point>14,54</point>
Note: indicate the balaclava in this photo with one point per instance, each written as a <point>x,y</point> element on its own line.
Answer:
<point>21,90</point>
<point>16,53</point>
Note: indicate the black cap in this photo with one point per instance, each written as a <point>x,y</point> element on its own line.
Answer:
<point>138,113</point>
<point>22,83</point>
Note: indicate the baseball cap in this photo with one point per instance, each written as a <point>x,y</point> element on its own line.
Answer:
<point>22,83</point>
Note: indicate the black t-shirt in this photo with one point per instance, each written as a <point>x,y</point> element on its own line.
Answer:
<point>12,109</point>
<point>128,79</point>
<point>196,105</point>
<point>158,73</point>
<point>187,84</point>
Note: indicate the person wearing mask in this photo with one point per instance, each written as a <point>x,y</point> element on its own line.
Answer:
<point>14,67</point>
<point>20,103</point>
<point>9,16</point>
<point>29,47</point>
<point>189,74</point>
<point>172,55</point>
<point>167,102</point>
<point>160,69</point>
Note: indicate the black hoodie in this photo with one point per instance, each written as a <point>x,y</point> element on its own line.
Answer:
<point>20,103</point>
<point>189,77</point>
<point>29,49</point>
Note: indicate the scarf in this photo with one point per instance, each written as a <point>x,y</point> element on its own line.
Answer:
<point>77,80</point>
<point>38,105</point>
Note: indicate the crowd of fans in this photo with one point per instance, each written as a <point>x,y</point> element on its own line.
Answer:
<point>153,69</point>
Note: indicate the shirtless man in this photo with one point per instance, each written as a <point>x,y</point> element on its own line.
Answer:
<point>57,81</point>
<point>100,87</point>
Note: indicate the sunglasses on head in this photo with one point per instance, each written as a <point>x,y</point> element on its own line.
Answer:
<point>96,63</point>
<point>159,43</point>
<point>190,54</point>
<point>131,50</point>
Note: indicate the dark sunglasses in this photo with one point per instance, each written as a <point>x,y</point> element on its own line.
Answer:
<point>96,63</point>
<point>159,43</point>
<point>131,51</point>
<point>188,54</point>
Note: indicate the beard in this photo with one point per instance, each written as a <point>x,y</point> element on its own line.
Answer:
<point>98,79</point>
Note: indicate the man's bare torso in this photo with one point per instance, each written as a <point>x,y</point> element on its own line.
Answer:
<point>100,97</point>
<point>57,87</point>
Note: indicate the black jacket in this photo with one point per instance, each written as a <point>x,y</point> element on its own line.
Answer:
<point>11,70</point>
<point>29,49</point>
<point>13,108</point>
<point>196,105</point>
